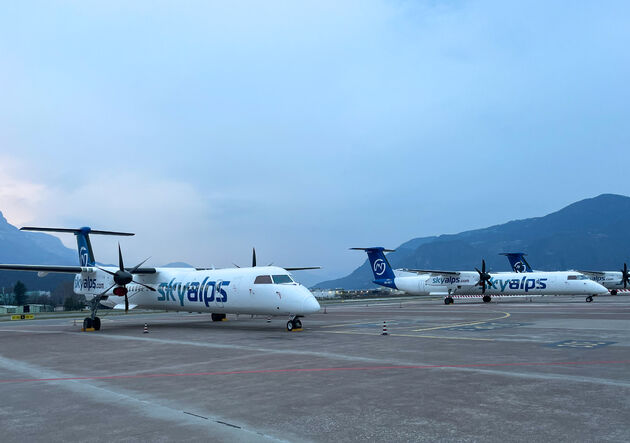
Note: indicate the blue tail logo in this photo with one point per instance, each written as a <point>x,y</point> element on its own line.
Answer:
<point>518,262</point>
<point>382,270</point>
<point>86,255</point>
<point>379,267</point>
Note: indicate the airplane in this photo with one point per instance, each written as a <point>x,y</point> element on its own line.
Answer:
<point>614,281</point>
<point>478,283</point>
<point>264,290</point>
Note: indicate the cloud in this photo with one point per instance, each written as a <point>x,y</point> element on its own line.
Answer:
<point>20,197</point>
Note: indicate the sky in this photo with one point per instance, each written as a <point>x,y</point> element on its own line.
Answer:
<point>305,128</point>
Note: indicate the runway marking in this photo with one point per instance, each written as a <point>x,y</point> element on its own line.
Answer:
<point>411,335</point>
<point>580,344</point>
<point>506,315</point>
<point>307,370</point>
<point>453,325</point>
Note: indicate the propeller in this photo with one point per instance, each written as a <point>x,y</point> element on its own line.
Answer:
<point>122,278</point>
<point>253,259</point>
<point>484,277</point>
<point>625,276</point>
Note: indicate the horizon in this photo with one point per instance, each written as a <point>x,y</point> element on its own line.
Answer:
<point>310,278</point>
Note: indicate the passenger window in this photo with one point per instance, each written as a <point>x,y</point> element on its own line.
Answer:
<point>263,279</point>
<point>282,279</point>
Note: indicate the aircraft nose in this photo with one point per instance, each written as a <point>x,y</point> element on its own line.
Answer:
<point>597,288</point>
<point>310,305</point>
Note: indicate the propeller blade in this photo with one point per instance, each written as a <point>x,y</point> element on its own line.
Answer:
<point>105,270</point>
<point>483,287</point>
<point>138,265</point>
<point>106,290</point>
<point>142,284</point>
<point>483,266</point>
<point>253,257</point>
<point>126,303</point>
<point>121,266</point>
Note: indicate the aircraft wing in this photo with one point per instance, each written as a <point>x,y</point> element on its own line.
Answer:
<point>44,268</point>
<point>592,272</point>
<point>430,271</point>
<point>306,268</point>
<point>143,270</point>
<point>65,269</point>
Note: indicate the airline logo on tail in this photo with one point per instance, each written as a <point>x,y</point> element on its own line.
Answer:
<point>84,257</point>
<point>518,262</point>
<point>383,272</point>
<point>379,267</point>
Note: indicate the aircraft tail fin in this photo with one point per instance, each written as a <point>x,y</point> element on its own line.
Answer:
<point>518,262</point>
<point>84,246</point>
<point>382,270</point>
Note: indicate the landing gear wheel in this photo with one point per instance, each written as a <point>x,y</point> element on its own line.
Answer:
<point>96,324</point>
<point>448,300</point>
<point>613,292</point>
<point>87,323</point>
<point>589,299</point>
<point>290,325</point>
<point>486,299</point>
<point>297,323</point>
<point>217,317</point>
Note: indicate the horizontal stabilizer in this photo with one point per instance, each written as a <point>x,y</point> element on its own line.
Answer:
<point>76,231</point>
<point>373,249</point>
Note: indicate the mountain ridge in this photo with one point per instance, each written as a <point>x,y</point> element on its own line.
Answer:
<point>590,233</point>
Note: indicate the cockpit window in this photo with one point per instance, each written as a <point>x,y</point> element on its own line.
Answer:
<point>282,279</point>
<point>263,279</point>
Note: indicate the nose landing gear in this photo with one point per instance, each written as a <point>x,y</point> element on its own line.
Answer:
<point>294,324</point>
<point>589,299</point>
<point>486,299</point>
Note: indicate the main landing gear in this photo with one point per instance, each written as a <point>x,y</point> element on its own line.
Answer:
<point>448,300</point>
<point>218,317</point>
<point>294,324</point>
<point>486,299</point>
<point>92,322</point>
<point>589,299</point>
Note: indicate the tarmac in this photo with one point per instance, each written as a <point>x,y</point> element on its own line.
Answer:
<point>553,369</point>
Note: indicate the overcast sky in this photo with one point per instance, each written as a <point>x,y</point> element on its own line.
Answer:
<point>304,128</point>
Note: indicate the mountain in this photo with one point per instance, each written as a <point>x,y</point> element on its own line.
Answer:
<point>590,234</point>
<point>32,248</point>
<point>36,248</point>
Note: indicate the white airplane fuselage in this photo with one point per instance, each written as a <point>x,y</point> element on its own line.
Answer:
<point>222,291</point>
<point>504,283</point>
<point>609,279</point>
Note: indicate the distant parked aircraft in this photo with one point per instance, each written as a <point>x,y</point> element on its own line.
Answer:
<point>614,281</point>
<point>479,283</point>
